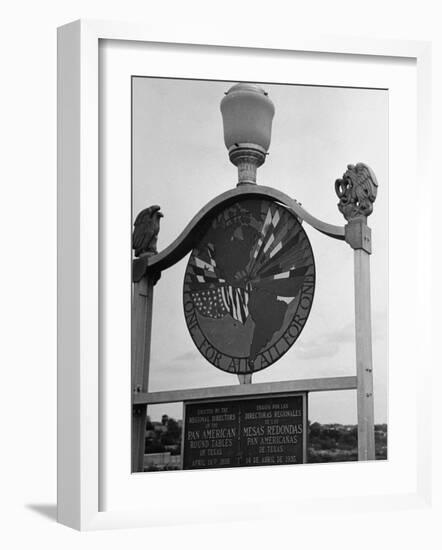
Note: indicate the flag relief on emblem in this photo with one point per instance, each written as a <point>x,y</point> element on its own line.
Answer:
<point>247,274</point>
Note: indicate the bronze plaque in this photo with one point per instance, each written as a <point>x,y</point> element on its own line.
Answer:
<point>249,286</point>
<point>265,431</point>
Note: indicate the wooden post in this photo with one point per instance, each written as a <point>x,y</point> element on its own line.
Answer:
<point>144,243</point>
<point>358,235</point>
<point>357,191</point>
<point>141,334</point>
<point>364,362</point>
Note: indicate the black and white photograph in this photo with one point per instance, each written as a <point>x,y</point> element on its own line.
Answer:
<point>259,274</point>
<point>220,283</point>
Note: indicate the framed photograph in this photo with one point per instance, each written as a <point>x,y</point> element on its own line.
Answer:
<point>231,276</point>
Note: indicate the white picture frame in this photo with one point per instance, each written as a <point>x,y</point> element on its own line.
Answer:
<point>80,394</point>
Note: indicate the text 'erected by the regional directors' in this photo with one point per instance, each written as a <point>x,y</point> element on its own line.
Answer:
<point>244,432</point>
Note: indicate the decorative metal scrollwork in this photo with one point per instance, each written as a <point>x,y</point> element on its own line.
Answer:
<point>356,190</point>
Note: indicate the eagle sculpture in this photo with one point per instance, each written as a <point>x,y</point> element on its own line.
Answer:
<point>146,229</point>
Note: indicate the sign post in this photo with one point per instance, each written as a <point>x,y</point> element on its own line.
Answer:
<point>364,363</point>
<point>141,333</point>
<point>144,243</point>
<point>357,192</point>
<point>248,291</point>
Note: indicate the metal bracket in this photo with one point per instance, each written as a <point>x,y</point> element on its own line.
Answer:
<point>358,235</point>
<point>138,410</point>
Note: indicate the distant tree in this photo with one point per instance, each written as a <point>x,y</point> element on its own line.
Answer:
<point>348,440</point>
<point>149,425</point>
<point>173,429</point>
<point>339,443</point>
<point>153,446</point>
<point>328,443</point>
<point>315,429</point>
<point>164,419</point>
<point>172,434</point>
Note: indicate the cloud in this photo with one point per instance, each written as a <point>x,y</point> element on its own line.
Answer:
<point>316,351</point>
<point>380,325</point>
<point>330,343</point>
<point>187,356</point>
<point>327,344</point>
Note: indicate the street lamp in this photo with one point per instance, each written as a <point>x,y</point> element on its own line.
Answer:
<point>247,113</point>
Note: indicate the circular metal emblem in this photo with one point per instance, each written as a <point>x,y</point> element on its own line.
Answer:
<point>249,286</point>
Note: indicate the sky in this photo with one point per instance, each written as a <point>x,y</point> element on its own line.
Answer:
<point>180,162</point>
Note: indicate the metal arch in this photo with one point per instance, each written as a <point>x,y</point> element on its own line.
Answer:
<point>185,241</point>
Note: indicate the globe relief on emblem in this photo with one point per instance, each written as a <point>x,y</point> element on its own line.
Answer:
<point>249,286</point>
